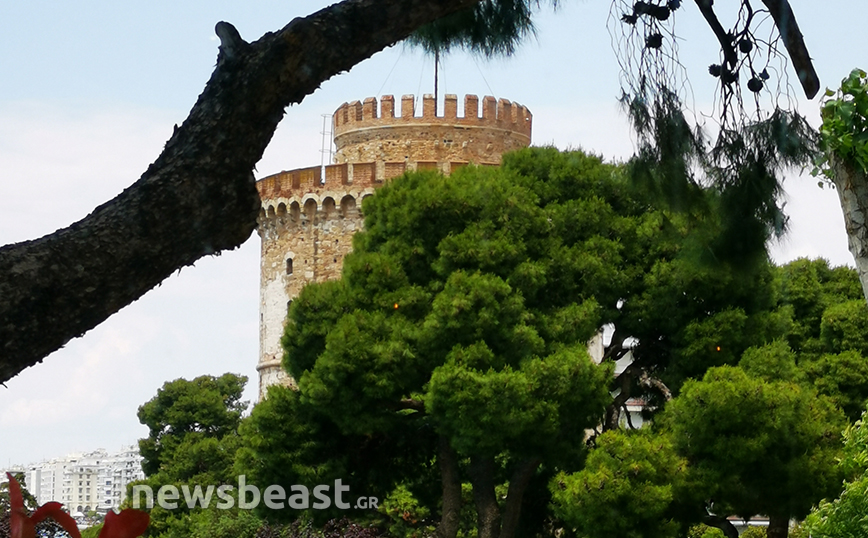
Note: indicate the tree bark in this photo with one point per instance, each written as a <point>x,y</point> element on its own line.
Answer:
<point>487,511</point>
<point>517,486</point>
<point>451,512</point>
<point>727,528</point>
<point>198,197</point>
<point>785,20</point>
<point>852,187</point>
<point>779,527</point>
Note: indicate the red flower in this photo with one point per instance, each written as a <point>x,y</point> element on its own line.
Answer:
<point>24,526</point>
<point>128,524</point>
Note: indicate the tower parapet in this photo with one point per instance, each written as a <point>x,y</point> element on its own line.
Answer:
<point>375,131</point>
<point>309,215</point>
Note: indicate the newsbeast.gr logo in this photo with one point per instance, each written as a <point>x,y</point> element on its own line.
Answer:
<point>249,497</point>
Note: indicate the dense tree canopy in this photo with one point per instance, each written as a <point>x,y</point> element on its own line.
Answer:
<point>759,438</point>
<point>631,486</point>
<point>462,318</point>
<point>460,326</point>
<point>192,440</point>
<point>766,446</point>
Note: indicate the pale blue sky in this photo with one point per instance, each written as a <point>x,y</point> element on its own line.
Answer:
<point>90,91</point>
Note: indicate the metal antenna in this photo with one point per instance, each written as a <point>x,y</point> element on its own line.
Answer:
<point>326,148</point>
<point>436,77</point>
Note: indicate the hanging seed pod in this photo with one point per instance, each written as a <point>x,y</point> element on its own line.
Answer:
<point>755,84</point>
<point>654,41</point>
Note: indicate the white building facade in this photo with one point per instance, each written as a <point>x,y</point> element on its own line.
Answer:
<point>85,482</point>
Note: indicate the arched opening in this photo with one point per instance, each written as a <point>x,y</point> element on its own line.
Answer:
<point>281,209</point>
<point>294,211</point>
<point>329,208</point>
<point>270,211</point>
<point>289,266</point>
<point>310,209</point>
<point>348,206</point>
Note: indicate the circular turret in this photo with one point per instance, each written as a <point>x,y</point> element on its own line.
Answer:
<point>401,140</point>
<point>309,215</point>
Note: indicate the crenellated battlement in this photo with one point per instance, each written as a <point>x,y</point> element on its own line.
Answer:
<point>306,193</point>
<point>495,113</point>
<point>375,130</point>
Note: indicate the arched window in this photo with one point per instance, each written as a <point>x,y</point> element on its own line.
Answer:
<point>289,266</point>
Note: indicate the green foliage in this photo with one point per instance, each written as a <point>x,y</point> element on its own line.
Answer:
<point>765,446</point>
<point>844,131</point>
<point>743,168</point>
<point>482,410</point>
<point>491,27</point>
<point>213,523</point>
<point>642,268</point>
<point>806,290</point>
<point>464,312</point>
<point>843,377</point>
<point>184,413</point>
<point>844,326</point>
<point>193,437</point>
<point>772,362</point>
<point>288,443</point>
<point>628,488</point>
<point>92,531</point>
<point>754,531</point>
<point>846,516</point>
<point>223,524</point>
<point>704,531</point>
<point>30,502</point>
<point>406,516</point>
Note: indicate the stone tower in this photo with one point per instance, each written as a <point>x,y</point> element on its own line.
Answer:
<point>309,215</point>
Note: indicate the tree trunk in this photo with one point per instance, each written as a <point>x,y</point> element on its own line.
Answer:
<point>779,527</point>
<point>451,514</point>
<point>487,510</point>
<point>198,197</point>
<point>517,486</point>
<point>852,187</point>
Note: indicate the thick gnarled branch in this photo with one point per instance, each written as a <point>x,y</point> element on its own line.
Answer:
<point>198,197</point>
<point>785,20</point>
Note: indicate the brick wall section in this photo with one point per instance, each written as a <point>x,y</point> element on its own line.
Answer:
<point>309,215</point>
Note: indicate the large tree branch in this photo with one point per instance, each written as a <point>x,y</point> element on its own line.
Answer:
<point>721,523</point>
<point>198,197</point>
<point>785,20</point>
